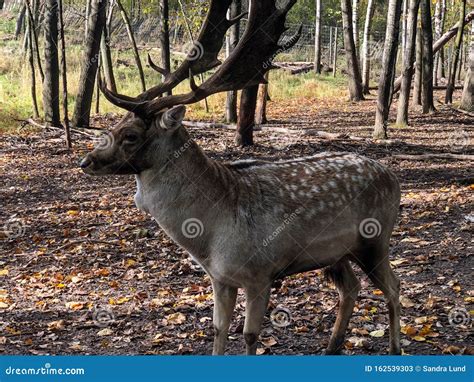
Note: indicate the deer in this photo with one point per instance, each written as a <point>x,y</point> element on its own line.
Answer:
<point>252,222</point>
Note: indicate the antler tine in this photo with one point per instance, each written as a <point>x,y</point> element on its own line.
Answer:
<point>155,67</point>
<point>249,61</point>
<point>123,101</point>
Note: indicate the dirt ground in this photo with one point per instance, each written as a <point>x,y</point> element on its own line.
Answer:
<point>82,271</point>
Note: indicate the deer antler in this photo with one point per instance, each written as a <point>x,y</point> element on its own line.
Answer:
<point>246,66</point>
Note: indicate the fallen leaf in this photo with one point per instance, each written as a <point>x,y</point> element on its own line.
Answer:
<point>269,341</point>
<point>451,349</point>
<point>105,332</point>
<point>419,338</point>
<point>4,272</point>
<point>176,318</point>
<point>406,302</point>
<point>377,333</point>
<point>421,320</point>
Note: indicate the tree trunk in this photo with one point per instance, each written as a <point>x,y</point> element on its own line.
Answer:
<point>467,99</point>
<point>334,62</point>
<point>408,61</point>
<point>437,34</point>
<point>317,39</point>
<point>418,69</point>
<point>427,73</point>
<point>51,65</point>
<point>261,110</point>
<point>31,62</point>
<point>440,69</point>
<point>388,68</point>
<point>365,47</point>
<point>34,37</point>
<point>89,67</point>
<point>67,130</point>
<point>455,56</point>
<point>355,25</point>
<point>164,38</point>
<point>355,81</point>
<point>233,39</point>
<point>131,37</point>
<point>20,21</point>
<point>106,56</point>
<point>246,122</point>
<point>404,28</point>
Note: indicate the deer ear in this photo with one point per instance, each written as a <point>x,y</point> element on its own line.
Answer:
<point>173,118</point>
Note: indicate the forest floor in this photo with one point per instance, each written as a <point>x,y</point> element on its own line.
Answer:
<point>82,271</point>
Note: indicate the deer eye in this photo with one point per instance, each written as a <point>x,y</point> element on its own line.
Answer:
<point>130,138</point>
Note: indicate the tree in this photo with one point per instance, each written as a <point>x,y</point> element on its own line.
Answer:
<point>105,54</point>
<point>355,81</point>
<point>246,120</point>
<point>388,68</point>
<point>64,75</point>
<point>131,37</point>
<point>427,73</point>
<point>96,23</point>
<point>164,37</point>
<point>467,99</point>
<point>408,61</point>
<point>51,64</point>
<point>232,41</point>
<point>455,57</point>
<point>29,30</point>
<point>355,24</point>
<point>317,39</point>
<point>418,69</point>
<point>365,47</point>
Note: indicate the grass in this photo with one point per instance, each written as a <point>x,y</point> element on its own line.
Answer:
<point>15,93</point>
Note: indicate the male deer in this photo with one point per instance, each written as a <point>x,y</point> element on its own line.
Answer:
<point>249,223</point>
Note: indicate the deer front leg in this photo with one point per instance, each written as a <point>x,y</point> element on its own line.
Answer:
<point>256,305</point>
<point>224,303</point>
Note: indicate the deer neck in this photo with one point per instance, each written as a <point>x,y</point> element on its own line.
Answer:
<point>181,195</point>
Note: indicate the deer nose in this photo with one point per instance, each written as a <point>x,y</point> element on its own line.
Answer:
<point>85,162</point>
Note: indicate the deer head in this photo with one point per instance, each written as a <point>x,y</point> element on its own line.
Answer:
<point>152,129</point>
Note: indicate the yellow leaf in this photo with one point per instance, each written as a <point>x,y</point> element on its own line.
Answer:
<point>421,320</point>
<point>74,305</point>
<point>130,262</point>
<point>122,300</point>
<point>408,330</point>
<point>3,305</point>
<point>176,318</point>
<point>73,212</point>
<point>377,333</point>
<point>419,338</point>
<point>378,292</point>
<point>4,272</point>
<point>61,285</point>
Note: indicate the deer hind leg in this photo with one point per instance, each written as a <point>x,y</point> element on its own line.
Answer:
<point>256,305</point>
<point>224,303</point>
<point>348,287</point>
<point>385,279</point>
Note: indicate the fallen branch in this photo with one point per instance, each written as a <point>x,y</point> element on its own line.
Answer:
<point>433,156</point>
<point>32,122</point>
